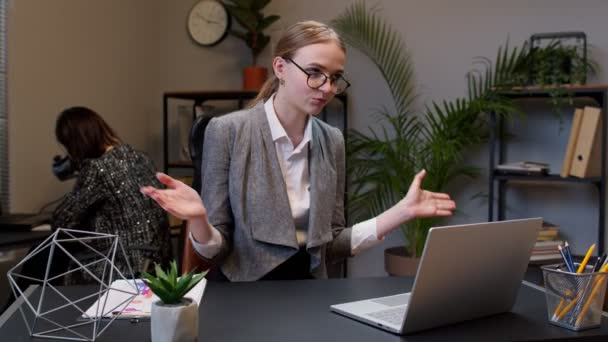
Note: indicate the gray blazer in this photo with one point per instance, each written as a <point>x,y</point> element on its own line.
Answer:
<point>246,197</point>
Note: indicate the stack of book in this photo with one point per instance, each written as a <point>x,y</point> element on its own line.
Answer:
<point>545,248</point>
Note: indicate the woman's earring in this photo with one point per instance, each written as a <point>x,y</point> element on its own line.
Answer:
<point>281,81</point>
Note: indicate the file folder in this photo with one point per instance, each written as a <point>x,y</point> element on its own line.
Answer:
<point>574,131</point>
<point>586,161</point>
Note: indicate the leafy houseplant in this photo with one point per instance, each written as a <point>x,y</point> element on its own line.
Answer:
<point>382,164</point>
<point>174,317</point>
<point>554,66</point>
<point>248,13</point>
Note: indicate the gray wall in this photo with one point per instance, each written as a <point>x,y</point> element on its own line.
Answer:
<point>119,56</point>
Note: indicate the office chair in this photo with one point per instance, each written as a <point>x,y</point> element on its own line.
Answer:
<point>190,260</point>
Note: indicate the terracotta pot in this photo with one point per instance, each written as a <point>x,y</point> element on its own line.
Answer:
<point>254,78</point>
<point>399,262</point>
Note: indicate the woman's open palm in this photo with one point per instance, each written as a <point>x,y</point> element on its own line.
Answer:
<point>178,199</point>
<point>423,203</point>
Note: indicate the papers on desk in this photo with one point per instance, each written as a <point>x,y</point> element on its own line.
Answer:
<point>42,228</point>
<point>117,300</point>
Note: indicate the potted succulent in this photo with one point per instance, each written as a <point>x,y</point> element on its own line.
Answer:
<point>248,13</point>
<point>381,165</point>
<point>174,317</point>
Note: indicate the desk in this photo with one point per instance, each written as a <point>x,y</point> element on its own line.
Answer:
<point>299,311</point>
<point>16,238</point>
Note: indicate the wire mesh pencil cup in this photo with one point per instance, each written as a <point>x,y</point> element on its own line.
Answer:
<point>574,300</point>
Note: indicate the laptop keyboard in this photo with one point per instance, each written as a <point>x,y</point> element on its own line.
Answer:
<point>393,315</point>
<point>396,300</point>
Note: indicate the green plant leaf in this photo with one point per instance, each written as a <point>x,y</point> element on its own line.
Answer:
<point>247,4</point>
<point>266,22</point>
<point>365,30</point>
<point>167,286</point>
<point>244,17</point>
<point>259,4</point>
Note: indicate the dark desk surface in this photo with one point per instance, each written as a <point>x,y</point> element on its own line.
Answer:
<point>299,311</point>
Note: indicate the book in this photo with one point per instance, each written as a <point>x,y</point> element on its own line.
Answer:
<point>552,244</point>
<point>549,233</point>
<point>587,152</point>
<point>116,301</point>
<point>524,167</point>
<point>572,139</point>
<point>545,257</point>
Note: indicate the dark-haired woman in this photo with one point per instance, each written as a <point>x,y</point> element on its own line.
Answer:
<point>106,197</point>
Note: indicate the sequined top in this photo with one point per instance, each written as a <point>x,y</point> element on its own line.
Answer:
<point>106,199</point>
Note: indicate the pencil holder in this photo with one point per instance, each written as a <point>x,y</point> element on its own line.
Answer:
<point>574,300</point>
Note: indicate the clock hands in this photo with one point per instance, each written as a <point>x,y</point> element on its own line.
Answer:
<point>208,20</point>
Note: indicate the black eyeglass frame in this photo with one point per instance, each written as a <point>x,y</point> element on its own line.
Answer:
<point>309,74</point>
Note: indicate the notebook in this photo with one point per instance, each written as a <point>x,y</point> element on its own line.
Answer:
<point>124,300</point>
<point>466,272</point>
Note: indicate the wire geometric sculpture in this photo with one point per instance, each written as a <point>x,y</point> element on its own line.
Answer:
<point>69,320</point>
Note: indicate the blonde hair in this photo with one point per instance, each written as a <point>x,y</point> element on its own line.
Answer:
<point>295,37</point>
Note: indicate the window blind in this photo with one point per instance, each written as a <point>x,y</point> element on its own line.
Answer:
<point>4,166</point>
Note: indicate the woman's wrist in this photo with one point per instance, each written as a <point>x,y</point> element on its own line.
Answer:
<point>392,218</point>
<point>200,229</point>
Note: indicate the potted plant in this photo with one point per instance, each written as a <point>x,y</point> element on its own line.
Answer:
<point>248,13</point>
<point>382,163</point>
<point>174,317</point>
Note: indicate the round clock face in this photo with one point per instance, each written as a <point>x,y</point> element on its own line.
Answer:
<point>208,22</point>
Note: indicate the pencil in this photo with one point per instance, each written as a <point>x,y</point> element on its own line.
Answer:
<point>598,283</point>
<point>581,267</point>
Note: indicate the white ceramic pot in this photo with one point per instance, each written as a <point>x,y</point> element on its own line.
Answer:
<point>174,323</point>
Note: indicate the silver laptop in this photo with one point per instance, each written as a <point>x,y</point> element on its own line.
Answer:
<point>466,272</point>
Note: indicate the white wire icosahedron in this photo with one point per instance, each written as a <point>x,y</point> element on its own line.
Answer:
<point>69,320</point>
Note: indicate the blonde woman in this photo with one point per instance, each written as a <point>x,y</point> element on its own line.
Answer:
<point>273,177</point>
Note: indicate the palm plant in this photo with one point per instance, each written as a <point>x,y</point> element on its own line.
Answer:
<point>381,164</point>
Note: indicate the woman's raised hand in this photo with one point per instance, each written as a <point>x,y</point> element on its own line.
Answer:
<point>417,203</point>
<point>421,203</point>
<point>178,199</point>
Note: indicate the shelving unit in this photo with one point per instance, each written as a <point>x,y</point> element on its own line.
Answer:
<point>200,97</point>
<point>498,181</point>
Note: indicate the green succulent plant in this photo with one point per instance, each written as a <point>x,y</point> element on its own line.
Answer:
<point>248,13</point>
<point>382,163</point>
<point>168,286</point>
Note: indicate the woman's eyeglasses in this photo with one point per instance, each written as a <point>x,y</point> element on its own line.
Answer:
<point>317,79</point>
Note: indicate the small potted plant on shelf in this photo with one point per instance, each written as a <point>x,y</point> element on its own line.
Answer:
<point>248,13</point>
<point>174,317</point>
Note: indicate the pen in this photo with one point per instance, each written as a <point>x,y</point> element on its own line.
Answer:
<point>565,257</point>
<point>598,263</point>
<point>569,255</point>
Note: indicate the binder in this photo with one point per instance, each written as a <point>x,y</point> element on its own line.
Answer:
<point>586,161</point>
<point>574,130</point>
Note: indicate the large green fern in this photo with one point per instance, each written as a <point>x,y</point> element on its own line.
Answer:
<point>382,163</point>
